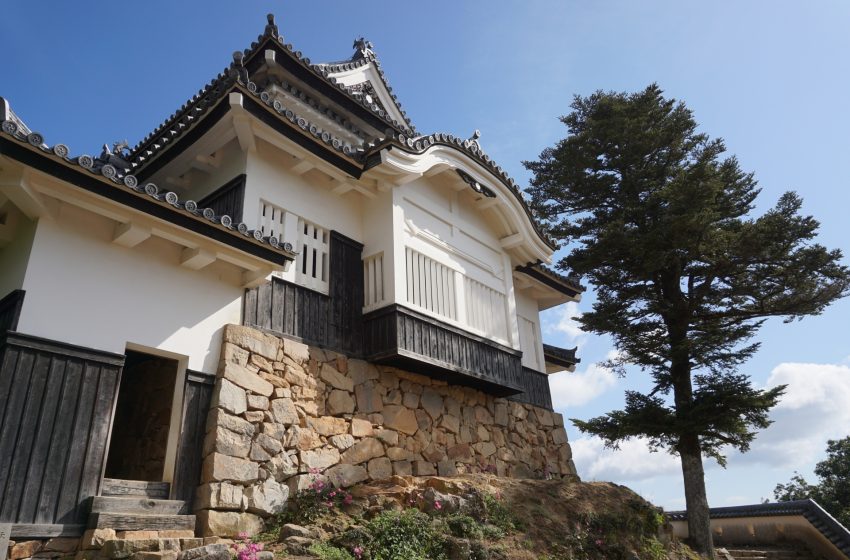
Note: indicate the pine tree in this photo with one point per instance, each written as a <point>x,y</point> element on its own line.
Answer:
<point>659,221</point>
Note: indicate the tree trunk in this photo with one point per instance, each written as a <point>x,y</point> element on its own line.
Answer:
<point>696,502</point>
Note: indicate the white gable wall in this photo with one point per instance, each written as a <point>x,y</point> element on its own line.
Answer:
<point>14,257</point>
<point>85,290</point>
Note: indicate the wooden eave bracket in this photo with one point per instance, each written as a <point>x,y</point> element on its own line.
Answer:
<point>242,123</point>
<point>20,190</point>
<point>130,234</point>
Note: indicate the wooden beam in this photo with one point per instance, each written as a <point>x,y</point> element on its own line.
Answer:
<point>196,259</point>
<point>511,241</point>
<point>45,530</point>
<point>341,188</point>
<point>302,167</point>
<point>23,194</point>
<point>130,234</point>
<point>406,178</point>
<point>253,278</point>
<point>244,133</point>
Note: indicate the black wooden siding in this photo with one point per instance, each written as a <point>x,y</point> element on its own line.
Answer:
<point>329,321</point>
<point>535,389</point>
<point>54,427</point>
<point>10,310</point>
<point>228,199</point>
<point>392,335</point>
<point>197,395</point>
<point>398,335</point>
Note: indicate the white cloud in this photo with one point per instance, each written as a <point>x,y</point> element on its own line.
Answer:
<point>815,408</point>
<point>632,462</point>
<point>565,323</point>
<point>580,387</point>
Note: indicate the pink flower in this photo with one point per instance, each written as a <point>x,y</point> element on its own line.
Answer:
<point>358,552</point>
<point>599,542</point>
<point>348,499</point>
<point>243,535</point>
<point>438,505</point>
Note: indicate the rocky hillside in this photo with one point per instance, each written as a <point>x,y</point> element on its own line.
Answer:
<point>473,517</point>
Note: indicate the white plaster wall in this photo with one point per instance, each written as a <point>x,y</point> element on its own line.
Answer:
<point>84,290</point>
<point>526,307</point>
<point>14,257</point>
<point>231,162</point>
<point>269,180</point>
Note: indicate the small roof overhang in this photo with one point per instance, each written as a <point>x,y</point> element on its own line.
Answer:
<point>559,359</point>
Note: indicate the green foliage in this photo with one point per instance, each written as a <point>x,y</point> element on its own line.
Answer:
<point>464,526</point>
<point>497,513</point>
<point>832,491</point>
<point>653,549</point>
<point>314,501</point>
<point>408,535</point>
<point>327,551</point>
<point>660,223</point>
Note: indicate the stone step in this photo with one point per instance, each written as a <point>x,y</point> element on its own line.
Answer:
<point>140,522</point>
<point>138,488</point>
<point>769,553</point>
<point>135,504</point>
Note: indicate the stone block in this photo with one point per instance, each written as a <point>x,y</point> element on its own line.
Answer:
<point>258,454</point>
<point>137,535</point>
<point>424,468</point>
<point>247,379</point>
<point>369,398</point>
<point>410,400</point>
<point>261,363</point>
<point>25,549</point>
<point>402,468</point>
<point>447,468</point>
<point>432,403</point>
<point>483,433</point>
<point>328,425</point>
<point>219,417</point>
<point>160,555</point>
<point>284,412</point>
<point>122,548</point>
<point>319,458</point>
<point>389,437</point>
<point>221,468</point>
<point>501,414</point>
<point>335,379</point>
<point>274,430</point>
<point>94,538</point>
<point>401,419</point>
<point>258,402</point>
<point>255,416</point>
<point>282,467</point>
<point>460,452</point>
<point>270,444</point>
<point>380,468</point>
<point>61,544</point>
<point>229,397</point>
<point>361,428</point>
<point>217,551</point>
<point>393,397</point>
<point>559,436</point>
<point>360,371</point>
<point>296,351</point>
<point>302,439</point>
<point>234,354</point>
<point>362,451</point>
<point>224,441</point>
<point>266,499</point>
<point>450,423</point>
<point>189,542</point>
<point>219,495</point>
<point>339,402</point>
<point>400,454</point>
<point>342,441</point>
<point>227,523</point>
<point>344,475</point>
<point>252,340</point>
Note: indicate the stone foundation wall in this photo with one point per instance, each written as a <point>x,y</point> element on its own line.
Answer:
<point>283,413</point>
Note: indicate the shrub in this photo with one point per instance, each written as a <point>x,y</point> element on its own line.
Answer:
<point>464,526</point>
<point>408,535</point>
<point>327,551</point>
<point>312,502</point>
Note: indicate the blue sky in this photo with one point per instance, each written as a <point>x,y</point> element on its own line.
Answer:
<point>769,77</point>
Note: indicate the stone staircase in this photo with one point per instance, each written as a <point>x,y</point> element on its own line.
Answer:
<point>133,505</point>
<point>767,553</point>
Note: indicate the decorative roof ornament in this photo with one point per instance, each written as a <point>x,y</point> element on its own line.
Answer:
<point>472,142</point>
<point>364,49</point>
<point>271,27</point>
<point>116,156</point>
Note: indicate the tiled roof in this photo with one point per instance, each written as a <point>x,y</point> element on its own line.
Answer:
<point>560,355</point>
<point>549,276</point>
<point>400,135</point>
<point>836,533</point>
<point>183,118</point>
<point>107,167</point>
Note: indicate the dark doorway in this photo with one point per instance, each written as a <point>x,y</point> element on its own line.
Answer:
<point>142,418</point>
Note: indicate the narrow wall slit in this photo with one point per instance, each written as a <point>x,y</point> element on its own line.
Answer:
<point>137,448</point>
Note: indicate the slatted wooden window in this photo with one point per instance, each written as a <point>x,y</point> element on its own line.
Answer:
<point>485,309</point>
<point>313,259</point>
<point>373,281</point>
<point>311,266</point>
<point>430,285</point>
<point>530,343</point>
